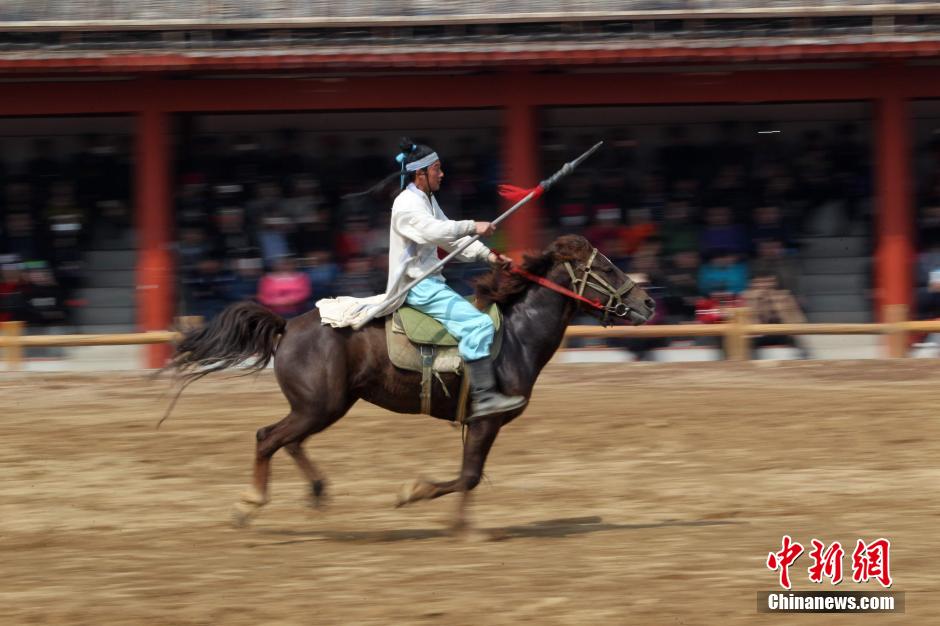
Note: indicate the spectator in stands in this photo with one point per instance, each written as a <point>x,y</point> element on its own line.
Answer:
<point>678,231</point>
<point>379,275</point>
<point>274,238</point>
<point>356,279</point>
<point>236,238</point>
<point>268,200</point>
<point>607,228</point>
<point>724,272</point>
<point>721,233</point>
<point>12,299</point>
<point>768,224</point>
<point>65,251</point>
<point>285,290</point>
<point>206,288</point>
<point>354,240</point>
<point>716,308</point>
<point>192,205</point>
<point>246,273</point>
<point>46,310</point>
<point>62,203</point>
<point>646,261</point>
<point>768,304</point>
<point>772,259</point>
<point>640,229</point>
<point>323,272</point>
<point>20,237</point>
<point>305,201</point>
<point>193,248</point>
<point>681,286</point>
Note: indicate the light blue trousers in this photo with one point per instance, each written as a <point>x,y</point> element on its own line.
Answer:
<point>471,327</point>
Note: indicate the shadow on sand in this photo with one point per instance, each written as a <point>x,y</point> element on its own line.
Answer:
<point>554,528</point>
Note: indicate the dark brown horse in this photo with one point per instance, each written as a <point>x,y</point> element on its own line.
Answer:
<point>323,371</point>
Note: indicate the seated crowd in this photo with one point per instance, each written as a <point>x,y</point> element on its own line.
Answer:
<point>706,225</point>
<point>52,209</point>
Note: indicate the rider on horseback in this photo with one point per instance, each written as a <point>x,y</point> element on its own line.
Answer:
<point>418,228</point>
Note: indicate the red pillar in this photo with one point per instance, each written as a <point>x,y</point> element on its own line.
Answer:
<point>894,253</point>
<point>520,156</point>
<point>155,293</point>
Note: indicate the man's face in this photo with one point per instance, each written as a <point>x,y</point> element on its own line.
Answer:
<point>434,174</point>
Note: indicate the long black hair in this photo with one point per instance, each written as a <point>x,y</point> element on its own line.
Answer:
<point>409,152</point>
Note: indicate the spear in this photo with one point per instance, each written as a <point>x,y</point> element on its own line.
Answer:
<point>507,191</point>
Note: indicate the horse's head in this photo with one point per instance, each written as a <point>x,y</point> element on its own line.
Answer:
<point>595,277</point>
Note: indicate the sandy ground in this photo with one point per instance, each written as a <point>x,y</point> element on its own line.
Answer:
<point>627,494</point>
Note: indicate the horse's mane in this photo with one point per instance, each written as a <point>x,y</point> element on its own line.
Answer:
<point>504,288</point>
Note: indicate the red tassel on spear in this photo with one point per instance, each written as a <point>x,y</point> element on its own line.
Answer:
<point>516,194</point>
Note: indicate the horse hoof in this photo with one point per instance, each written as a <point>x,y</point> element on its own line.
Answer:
<point>317,497</point>
<point>254,497</point>
<point>412,492</point>
<point>243,513</point>
<point>404,494</point>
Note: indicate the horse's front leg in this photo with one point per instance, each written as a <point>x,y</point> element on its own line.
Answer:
<point>480,438</point>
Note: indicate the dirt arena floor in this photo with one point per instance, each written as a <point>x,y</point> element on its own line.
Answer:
<point>627,494</point>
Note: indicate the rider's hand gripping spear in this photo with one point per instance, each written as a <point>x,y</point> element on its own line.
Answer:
<point>507,191</point>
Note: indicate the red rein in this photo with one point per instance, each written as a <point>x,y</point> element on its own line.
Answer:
<point>555,287</point>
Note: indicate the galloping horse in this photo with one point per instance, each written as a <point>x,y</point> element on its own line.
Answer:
<point>322,371</point>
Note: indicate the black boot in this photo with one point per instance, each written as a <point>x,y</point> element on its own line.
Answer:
<point>485,400</point>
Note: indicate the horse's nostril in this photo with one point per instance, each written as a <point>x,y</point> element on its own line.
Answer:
<point>650,303</point>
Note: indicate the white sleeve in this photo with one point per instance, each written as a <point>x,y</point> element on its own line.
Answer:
<point>414,223</point>
<point>476,251</point>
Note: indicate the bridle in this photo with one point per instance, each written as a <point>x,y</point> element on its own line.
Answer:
<point>589,278</point>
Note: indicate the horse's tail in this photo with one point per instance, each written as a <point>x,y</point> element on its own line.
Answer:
<point>243,333</point>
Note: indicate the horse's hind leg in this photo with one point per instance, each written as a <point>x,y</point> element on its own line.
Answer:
<point>291,430</point>
<point>310,471</point>
<point>480,438</point>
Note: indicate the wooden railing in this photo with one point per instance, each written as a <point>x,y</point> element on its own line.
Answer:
<point>735,334</point>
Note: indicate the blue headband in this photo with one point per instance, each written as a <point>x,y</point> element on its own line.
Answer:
<point>414,166</point>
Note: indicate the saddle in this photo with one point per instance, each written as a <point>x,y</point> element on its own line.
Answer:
<point>419,343</point>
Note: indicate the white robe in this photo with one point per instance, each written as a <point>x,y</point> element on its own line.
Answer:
<point>418,228</point>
